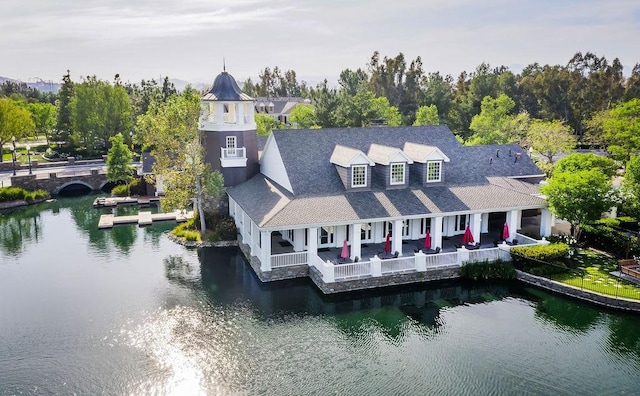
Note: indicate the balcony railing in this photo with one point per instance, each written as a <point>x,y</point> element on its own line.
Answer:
<point>232,152</point>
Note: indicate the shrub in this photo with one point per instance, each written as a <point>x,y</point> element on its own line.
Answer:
<point>187,230</point>
<point>17,193</point>
<point>554,268</point>
<point>120,191</point>
<point>610,240</point>
<point>548,253</point>
<point>498,269</point>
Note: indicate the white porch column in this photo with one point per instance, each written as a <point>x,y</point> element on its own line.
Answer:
<point>265,243</point>
<point>298,239</point>
<point>519,217</point>
<point>545,222</point>
<point>414,228</point>
<point>312,243</point>
<point>397,237</point>
<point>436,232</point>
<point>246,223</point>
<point>254,238</point>
<point>476,221</point>
<point>356,242</point>
<point>485,223</point>
<point>512,221</point>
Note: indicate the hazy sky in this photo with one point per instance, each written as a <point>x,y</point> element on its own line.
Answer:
<point>187,39</point>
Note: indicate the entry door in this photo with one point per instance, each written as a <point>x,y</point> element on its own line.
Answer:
<point>325,237</point>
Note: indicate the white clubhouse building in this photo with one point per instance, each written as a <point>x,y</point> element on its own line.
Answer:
<point>313,191</point>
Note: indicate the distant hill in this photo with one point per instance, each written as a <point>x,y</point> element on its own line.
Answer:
<point>40,85</point>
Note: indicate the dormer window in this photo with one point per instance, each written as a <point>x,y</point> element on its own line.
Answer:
<point>261,107</point>
<point>434,171</point>
<point>358,176</point>
<point>397,173</point>
<point>271,107</point>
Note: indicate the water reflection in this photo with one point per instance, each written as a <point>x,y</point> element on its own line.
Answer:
<point>19,228</point>
<point>22,227</point>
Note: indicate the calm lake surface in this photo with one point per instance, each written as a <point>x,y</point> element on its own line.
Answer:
<point>126,311</point>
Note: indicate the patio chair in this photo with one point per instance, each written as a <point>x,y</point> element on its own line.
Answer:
<point>356,259</point>
<point>395,254</point>
<point>437,250</point>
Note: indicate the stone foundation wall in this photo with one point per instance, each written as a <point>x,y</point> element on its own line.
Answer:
<point>584,295</point>
<point>381,281</point>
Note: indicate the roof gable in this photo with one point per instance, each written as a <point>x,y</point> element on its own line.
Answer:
<point>423,153</point>
<point>385,155</point>
<point>347,156</point>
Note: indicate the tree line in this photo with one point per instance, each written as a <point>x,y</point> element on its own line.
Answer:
<point>587,100</point>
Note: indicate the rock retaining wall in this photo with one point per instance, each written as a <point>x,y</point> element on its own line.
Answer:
<point>584,295</point>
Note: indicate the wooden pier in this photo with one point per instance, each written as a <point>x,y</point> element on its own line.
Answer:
<point>109,202</point>
<point>142,218</point>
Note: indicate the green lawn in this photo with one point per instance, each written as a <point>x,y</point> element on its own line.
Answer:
<point>595,276</point>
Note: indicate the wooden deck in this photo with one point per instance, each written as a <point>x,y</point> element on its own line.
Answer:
<point>108,202</point>
<point>142,218</point>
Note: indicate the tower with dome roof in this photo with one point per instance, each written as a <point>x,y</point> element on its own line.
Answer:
<point>228,129</point>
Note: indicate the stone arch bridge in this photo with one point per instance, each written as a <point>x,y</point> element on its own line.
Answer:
<point>54,183</point>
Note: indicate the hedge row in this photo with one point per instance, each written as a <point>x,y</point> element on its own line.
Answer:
<point>498,269</point>
<point>610,240</point>
<point>18,194</point>
<point>541,259</point>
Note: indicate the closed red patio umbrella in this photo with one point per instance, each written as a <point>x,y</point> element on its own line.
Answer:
<point>345,250</point>
<point>387,243</point>
<point>468,236</point>
<point>427,241</point>
<point>505,231</point>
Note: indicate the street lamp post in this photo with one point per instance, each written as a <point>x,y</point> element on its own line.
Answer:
<point>13,154</point>
<point>13,158</point>
<point>29,157</point>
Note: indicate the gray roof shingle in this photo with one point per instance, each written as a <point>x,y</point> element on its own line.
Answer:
<point>475,179</point>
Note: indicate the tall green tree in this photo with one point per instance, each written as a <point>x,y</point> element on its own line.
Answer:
<point>621,129</point>
<point>15,121</point>
<point>495,124</point>
<point>119,162</point>
<point>44,118</point>
<point>303,116</point>
<point>325,101</point>
<point>578,162</point>
<point>265,124</point>
<point>579,197</point>
<point>631,185</point>
<point>171,128</point>
<point>550,138</point>
<point>64,121</point>
<point>427,115</point>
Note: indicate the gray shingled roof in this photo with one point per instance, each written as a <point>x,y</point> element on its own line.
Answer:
<point>306,155</point>
<point>473,181</point>
<point>273,207</point>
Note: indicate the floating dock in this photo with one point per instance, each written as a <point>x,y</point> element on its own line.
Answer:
<point>109,202</point>
<point>143,218</point>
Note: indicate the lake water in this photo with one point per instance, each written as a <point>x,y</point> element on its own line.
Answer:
<point>125,311</point>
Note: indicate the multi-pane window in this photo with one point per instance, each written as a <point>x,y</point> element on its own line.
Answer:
<point>397,173</point>
<point>231,146</point>
<point>359,176</point>
<point>365,232</point>
<point>434,173</point>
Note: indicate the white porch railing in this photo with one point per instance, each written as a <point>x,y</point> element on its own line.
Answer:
<point>232,152</point>
<point>398,265</point>
<point>352,270</point>
<point>288,259</point>
<point>488,254</point>
<point>442,259</point>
